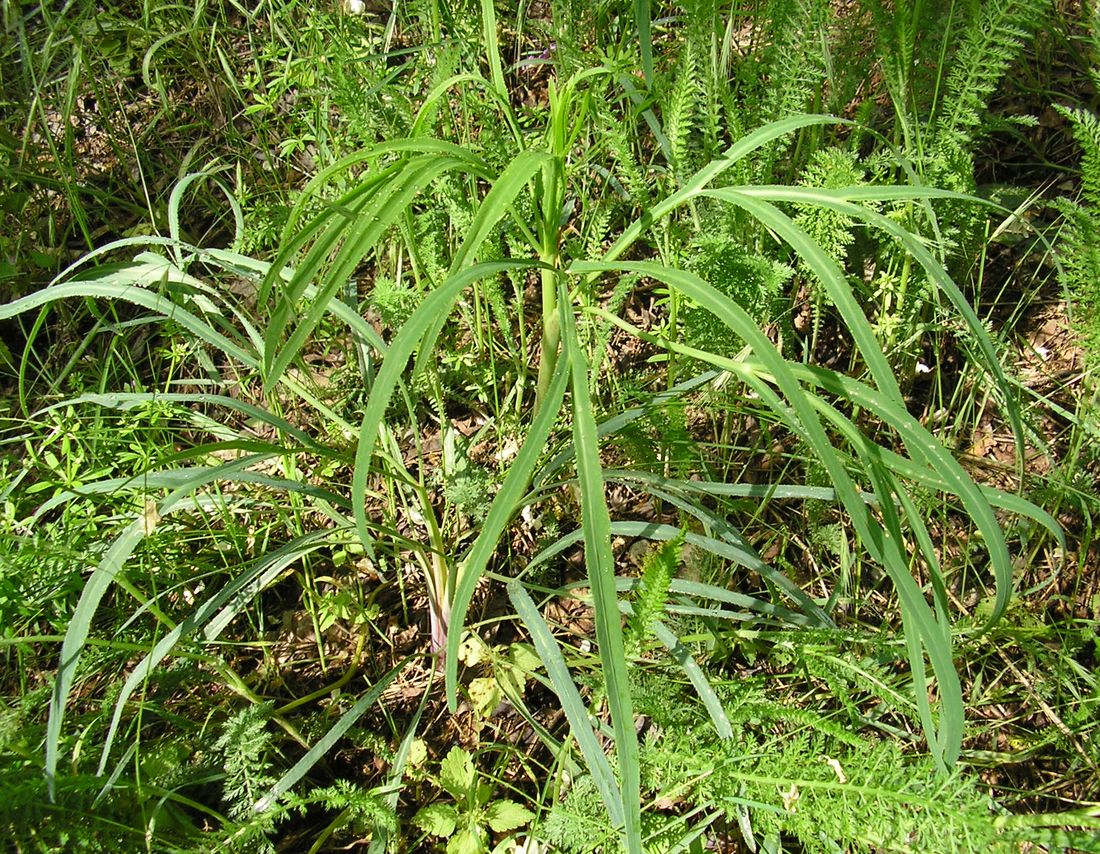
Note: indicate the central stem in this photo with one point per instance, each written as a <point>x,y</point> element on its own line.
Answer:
<point>551,331</point>
<point>550,192</point>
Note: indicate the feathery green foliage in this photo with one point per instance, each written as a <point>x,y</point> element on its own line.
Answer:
<point>658,569</point>
<point>991,40</point>
<point>788,773</point>
<point>244,745</point>
<point>679,111</point>
<point>1080,245</point>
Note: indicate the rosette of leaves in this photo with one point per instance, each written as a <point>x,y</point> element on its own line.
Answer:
<point>467,823</point>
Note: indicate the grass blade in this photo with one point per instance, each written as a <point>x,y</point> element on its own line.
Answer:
<point>379,211</point>
<point>492,50</point>
<point>571,702</point>
<point>424,326</point>
<point>612,425</point>
<point>831,278</point>
<point>504,506</point>
<point>682,656</point>
<point>600,564</point>
<point>923,447</point>
<point>124,282</point>
<point>324,745</point>
<point>697,182</point>
<point>838,200</point>
<point>882,539</point>
<point>240,590</point>
<point>645,39</point>
<point>80,624</point>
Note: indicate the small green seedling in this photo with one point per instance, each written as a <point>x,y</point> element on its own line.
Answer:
<point>466,824</point>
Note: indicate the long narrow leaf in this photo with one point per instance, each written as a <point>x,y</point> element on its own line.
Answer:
<point>682,656</point>
<point>123,283</point>
<point>883,545</point>
<point>492,50</point>
<point>496,204</point>
<point>326,742</point>
<point>832,279</point>
<point>743,147</point>
<point>505,504</point>
<point>838,200</point>
<point>725,550</point>
<point>600,564</point>
<point>571,703</point>
<point>242,589</point>
<point>924,447</point>
<point>645,39</point>
<point>94,590</point>
<point>377,214</point>
<point>611,426</point>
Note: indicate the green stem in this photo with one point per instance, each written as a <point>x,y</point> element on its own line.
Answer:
<point>551,333</point>
<point>441,585</point>
<point>236,684</point>
<point>328,689</point>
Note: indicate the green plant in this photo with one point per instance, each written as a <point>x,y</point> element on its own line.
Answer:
<point>335,251</point>
<point>311,443</point>
<point>476,810</point>
<point>1079,246</point>
<point>658,570</point>
<point>244,745</point>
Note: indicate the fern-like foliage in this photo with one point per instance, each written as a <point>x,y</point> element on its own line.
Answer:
<point>869,798</point>
<point>788,74</point>
<point>603,331</point>
<point>394,302</point>
<point>705,31</point>
<point>629,172</point>
<point>992,41</point>
<point>244,745</point>
<point>680,109</point>
<point>751,280</point>
<point>359,811</point>
<point>911,38</point>
<point>75,823</point>
<point>1079,247</point>
<point>578,823</point>
<point>830,168</point>
<point>808,774</point>
<point>658,570</point>
<point>790,772</point>
<point>795,58</point>
<point>1086,130</point>
<point>943,66</point>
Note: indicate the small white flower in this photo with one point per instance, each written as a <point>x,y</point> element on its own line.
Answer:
<point>923,368</point>
<point>355,7</point>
